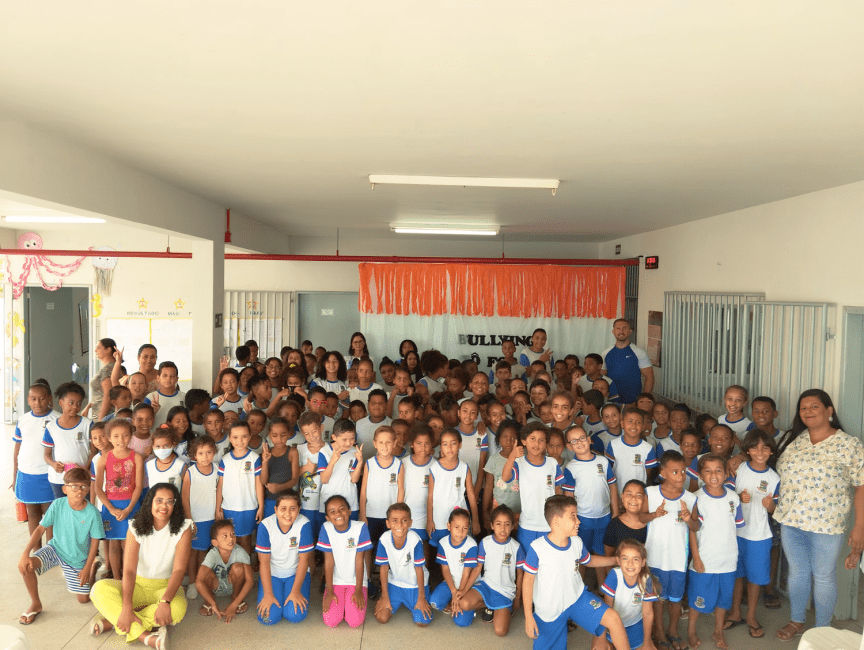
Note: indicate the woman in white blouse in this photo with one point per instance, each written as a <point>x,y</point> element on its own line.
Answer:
<point>821,475</point>
<point>154,562</point>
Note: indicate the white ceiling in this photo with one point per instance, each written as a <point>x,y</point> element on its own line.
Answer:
<point>650,113</point>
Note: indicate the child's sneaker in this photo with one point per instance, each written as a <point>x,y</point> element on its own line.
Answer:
<point>101,571</point>
<point>191,592</point>
<point>486,615</point>
<point>373,590</point>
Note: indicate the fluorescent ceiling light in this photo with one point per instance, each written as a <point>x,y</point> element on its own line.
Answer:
<point>466,181</point>
<point>444,229</point>
<point>56,219</point>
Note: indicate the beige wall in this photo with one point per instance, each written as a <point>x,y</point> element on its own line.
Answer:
<point>805,248</point>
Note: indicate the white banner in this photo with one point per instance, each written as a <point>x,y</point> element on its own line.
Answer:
<point>460,337</point>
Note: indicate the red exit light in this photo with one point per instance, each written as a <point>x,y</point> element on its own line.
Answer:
<point>652,262</point>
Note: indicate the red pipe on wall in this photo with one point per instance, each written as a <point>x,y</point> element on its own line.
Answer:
<point>428,260</point>
<point>94,253</point>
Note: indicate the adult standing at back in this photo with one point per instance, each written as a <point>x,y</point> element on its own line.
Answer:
<point>146,366</point>
<point>821,475</point>
<point>627,364</point>
<point>100,385</point>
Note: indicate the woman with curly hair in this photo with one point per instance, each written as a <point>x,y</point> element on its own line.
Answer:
<point>154,563</point>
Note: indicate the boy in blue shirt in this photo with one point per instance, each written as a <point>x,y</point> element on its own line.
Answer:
<point>553,589</point>
<point>77,529</point>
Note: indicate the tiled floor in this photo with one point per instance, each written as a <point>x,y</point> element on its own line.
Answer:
<point>64,623</point>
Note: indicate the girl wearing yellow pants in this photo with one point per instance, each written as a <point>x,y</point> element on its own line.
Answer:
<point>155,560</point>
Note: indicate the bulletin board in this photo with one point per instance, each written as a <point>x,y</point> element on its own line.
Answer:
<point>171,336</point>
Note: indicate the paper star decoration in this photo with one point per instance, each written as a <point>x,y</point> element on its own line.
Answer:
<point>179,303</point>
<point>142,304</point>
<point>251,304</point>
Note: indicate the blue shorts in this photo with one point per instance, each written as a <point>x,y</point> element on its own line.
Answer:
<point>709,591</point>
<point>281,590</point>
<point>635,635</point>
<point>592,531</point>
<point>492,598</point>
<point>525,536</point>
<point>441,597</point>
<point>33,488</point>
<point>437,536</point>
<point>269,507</point>
<point>315,518</point>
<point>672,584</point>
<point>201,540</point>
<point>403,596</point>
<point>754,561</point>
<point>243,520</point>
<point>117,529</point>
<point>422,534</point>
<point>586,612</point>
<point>49,558</point>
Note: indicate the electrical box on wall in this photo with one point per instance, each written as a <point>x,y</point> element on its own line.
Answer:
<point>652,262</point>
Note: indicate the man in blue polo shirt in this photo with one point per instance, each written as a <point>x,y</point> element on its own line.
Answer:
<point>626,364</point>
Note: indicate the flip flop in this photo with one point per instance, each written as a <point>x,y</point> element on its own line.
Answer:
<point>242,607</point>
<point>772,601</point>
<point>23,620</point>
<point>207,610</point>
<point>677,643</point>
<point>98,627</point>
<point>758,628</point>
<point>798,632</point>
<point>728,624</point>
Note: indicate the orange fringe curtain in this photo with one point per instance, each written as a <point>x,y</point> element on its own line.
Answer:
<point>492,290</point>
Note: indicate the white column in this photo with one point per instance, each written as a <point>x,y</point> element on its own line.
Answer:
<point>208,267</point>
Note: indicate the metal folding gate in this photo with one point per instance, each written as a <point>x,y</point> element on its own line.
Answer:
<point>264,316</point>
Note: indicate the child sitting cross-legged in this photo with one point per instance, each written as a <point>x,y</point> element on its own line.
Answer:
<point>225,571</point>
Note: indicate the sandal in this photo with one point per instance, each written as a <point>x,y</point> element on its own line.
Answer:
<point>206,610</point>
<point>772,601</point>
<point>754,630</point>
<point>27,618</point>
<point>98,627</point>
<point>242,607</point>
<point>160,639</point>
<point>789,631</point>
<point>677,643</point>
<point>729,623</point>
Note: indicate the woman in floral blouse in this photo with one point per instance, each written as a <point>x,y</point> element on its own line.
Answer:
<point>821,468</point>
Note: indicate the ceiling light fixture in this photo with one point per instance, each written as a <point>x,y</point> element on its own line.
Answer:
<point>488,230</point>
<point>54,219</point>
<point>466,181</point>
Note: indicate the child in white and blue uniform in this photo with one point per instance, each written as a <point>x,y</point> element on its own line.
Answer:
<point>630,591</point>
<point>457,555</point>
<point>31,471</point>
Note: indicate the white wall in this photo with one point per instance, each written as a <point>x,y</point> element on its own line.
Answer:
<point>804,248</point>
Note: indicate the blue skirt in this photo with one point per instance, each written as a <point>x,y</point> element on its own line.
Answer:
<point>117,529</point>
<point>33,488</point>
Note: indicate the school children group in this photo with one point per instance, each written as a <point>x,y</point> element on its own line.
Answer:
<point>499,489</point>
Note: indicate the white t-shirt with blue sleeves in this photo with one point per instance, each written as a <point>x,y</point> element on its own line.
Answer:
<point>29,433</point>
<point>720,517</point>
<point>239,478</point>
<point>631,461</point>
<point>70,445</point>
<point>284,547</point>
<point>557,584</point>
<point>588,481</point>
<point>668,537</point>
<point>344,545</point>
<point>536,484</point>
<point>457,558</point>
<point>340,480</point>
<point>628,598</point>
<point>402,561</point>
<point>758,485</point>
<point>740,427</point>
<point>500,562</point>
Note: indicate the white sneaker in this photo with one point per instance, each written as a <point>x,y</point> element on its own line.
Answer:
<point>191,592</point>
<point>101,572</point>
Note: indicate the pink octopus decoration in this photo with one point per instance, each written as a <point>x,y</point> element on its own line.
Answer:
<point>38,263</point>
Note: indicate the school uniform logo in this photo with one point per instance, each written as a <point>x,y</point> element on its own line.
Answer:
<point>458,482</point>
<point>763,486</point>
<point>637,598</point>
<point>462,558</point>
<point>548,480</point>
<point>407,559</point>
<point>426,481</point>
<point>479,442</point>
<point>732,507</point>
<point>247,466</point>
<point>392,479</point>
<point>106,525</point>
<point>576,566</point>
<point>80,436</point>
<point>679,518</point>
<point>351,542</point>
<point>600,469</point>
<point>508,557</point>
<point>637,459</point>
<point>292,542</point>
<point>700,602</point>
<point>594,603</point>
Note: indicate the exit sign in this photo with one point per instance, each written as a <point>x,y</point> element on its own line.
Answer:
<point>652,262</point>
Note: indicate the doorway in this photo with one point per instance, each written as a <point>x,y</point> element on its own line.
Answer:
<point>57,337</point>
<point>328,319</point>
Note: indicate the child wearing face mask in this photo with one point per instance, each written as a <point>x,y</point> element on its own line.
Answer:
<point>165,467</point>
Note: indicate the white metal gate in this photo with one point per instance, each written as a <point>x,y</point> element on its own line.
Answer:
<point>264,316</point>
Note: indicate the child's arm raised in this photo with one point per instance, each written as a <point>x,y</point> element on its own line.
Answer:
<point>472,503</point>
<point>691,517</point>
<point>508,473</point>
<point>646,517</point>
<point>430,523</point>
<point>358,464</point>
<point>400,484</point>
<point>265,464</point>
<point>327,472</point>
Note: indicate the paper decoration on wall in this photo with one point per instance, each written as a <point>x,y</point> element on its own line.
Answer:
<point>15,323</point>
<point>103,267</point>
<point>38,263</point>
<point>97,305</point>
<point>142,304</point>
<point>179,303</point>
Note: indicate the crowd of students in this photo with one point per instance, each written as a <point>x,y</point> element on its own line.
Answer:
<point>440,488</point>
